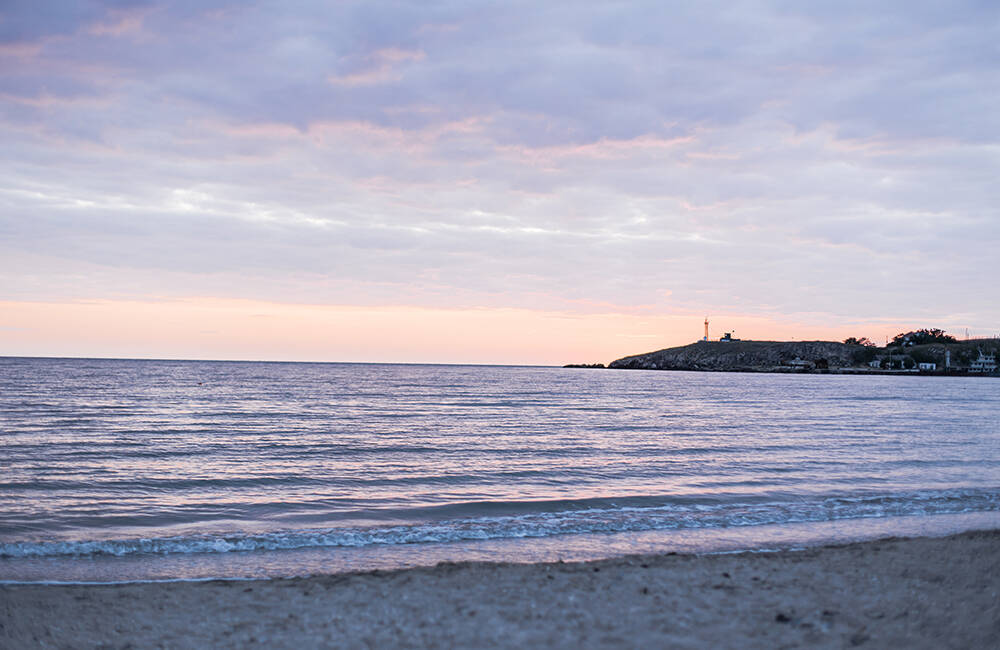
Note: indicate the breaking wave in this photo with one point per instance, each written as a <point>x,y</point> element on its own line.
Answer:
<point>609,519</point>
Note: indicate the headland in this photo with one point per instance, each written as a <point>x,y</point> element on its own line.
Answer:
<point>974,357</point>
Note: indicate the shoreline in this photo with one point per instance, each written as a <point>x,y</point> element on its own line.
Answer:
<point>913,592</point>
<point>577,547</point>
<point>934,357</point>
<point>784,370</point>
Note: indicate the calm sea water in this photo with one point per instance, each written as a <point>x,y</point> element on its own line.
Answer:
<point>122,469</point>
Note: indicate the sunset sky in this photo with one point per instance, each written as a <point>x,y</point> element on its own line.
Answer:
<point>519,182</point>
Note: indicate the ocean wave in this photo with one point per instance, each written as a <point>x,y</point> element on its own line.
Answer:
<point>546,523</point>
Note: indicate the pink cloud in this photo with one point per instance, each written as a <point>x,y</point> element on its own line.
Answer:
<point>247,329</point>
<point>385,68</point>
<point>604,149</point>
<point>20,50</point>
<point>120,22</point>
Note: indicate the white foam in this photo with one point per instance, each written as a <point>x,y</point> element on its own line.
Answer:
<point>535,525</point>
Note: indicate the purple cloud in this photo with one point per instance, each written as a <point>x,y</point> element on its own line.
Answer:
<point>831,158</point>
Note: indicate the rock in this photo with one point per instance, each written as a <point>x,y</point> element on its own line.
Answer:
<point>742,356</point>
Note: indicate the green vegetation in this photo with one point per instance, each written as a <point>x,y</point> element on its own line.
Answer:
<point>924,355</point>
<point>865,355</point>
<point>922,337</point>
<point>929,345</point>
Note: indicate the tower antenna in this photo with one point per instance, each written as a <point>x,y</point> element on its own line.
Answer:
<point>706,329</point>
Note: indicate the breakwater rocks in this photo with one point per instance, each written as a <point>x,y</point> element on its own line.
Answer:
<point>750,356</point>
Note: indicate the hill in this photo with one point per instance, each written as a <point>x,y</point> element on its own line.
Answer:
<point>785,356</point>
<point>962,353</point>
<point>746,355</point>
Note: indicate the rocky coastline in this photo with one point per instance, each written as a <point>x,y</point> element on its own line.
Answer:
<point>826,357</point>
<point>751,356</point>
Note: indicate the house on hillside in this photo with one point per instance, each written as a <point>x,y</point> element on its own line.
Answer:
<point>927,366</point>
<point>985,363</point>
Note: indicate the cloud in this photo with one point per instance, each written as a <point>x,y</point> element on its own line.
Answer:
<point>770,157</point>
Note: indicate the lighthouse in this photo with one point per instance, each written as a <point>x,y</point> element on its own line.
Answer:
<point>706,329</point>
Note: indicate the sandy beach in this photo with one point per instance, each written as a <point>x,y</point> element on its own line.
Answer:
<point>929,593</point>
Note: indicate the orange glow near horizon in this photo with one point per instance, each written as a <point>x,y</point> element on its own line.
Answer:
<point>243,329</point>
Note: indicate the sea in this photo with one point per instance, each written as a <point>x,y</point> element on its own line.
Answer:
<point>145,470</point>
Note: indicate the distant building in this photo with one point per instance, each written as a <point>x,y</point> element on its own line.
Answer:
<point>799,363</point>
<point>875,363</point>
<point>985,363</point>
<point>727,338</point>
<point>927,366</point>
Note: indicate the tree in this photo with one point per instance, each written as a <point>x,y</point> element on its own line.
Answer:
<point>864,355</point>
<point>922,337</point>
<point>853,340</point>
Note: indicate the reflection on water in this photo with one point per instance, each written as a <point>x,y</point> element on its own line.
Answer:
<point>112,451</point>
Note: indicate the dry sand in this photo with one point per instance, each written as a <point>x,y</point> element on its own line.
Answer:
<point>897,593</point>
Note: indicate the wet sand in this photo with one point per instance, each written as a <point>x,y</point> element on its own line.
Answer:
<point>914,593</point>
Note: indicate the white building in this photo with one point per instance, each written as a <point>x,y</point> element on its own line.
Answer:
<point>985,363</point>
<point>927,366</point>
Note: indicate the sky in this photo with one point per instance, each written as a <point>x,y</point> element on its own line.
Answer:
<point>472,182</point>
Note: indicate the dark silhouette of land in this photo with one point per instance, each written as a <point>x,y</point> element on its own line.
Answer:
<point>949,357</point>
